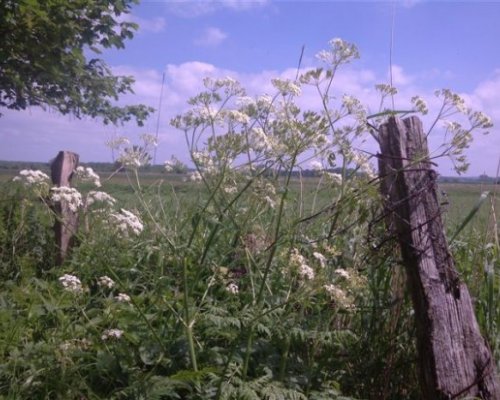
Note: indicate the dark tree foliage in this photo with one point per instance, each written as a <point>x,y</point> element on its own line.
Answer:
<point>44,47</point>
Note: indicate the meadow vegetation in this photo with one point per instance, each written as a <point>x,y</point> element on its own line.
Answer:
<point>244,280</point>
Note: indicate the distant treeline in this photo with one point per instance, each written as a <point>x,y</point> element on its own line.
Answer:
<point>13,167</point>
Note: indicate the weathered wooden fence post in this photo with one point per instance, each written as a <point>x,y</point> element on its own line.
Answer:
<point>454,359</point>
<point>66,224</point>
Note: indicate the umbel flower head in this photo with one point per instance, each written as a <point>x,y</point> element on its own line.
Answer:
<point>30,177</point>
<point>122,298</point>
<point>110,334</point>
<point>99,197</point>
<point>87,174</point>
<point>71,283</point>
<point>126,221</point>
<point>106,281</point>
<point>71,196</point>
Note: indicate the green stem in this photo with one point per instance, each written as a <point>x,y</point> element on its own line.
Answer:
<point>248,349</point>
<point>284,359</point>
<point>188,322</point>
<point>276,231</point>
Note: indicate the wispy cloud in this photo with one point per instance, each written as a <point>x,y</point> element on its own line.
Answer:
<point>38,135</point>
<point>211,37</point>
<point>153,25</point>
<point>196,8</point>
<point>410,3</point>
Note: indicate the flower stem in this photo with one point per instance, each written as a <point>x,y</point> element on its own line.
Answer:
<point>188,323</point>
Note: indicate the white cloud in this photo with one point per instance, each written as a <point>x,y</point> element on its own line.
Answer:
<point>399,77</point>
<point>153,25</point>
<point>211,37</point>
<point>38,135</point>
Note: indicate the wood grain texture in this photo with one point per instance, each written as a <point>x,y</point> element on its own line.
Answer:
<point>66,224</point>
<point>454,359</point>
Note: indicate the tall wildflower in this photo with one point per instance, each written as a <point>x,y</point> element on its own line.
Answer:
<point>110,334</point>
<point>35,180</point>
<point>126,221</point>
<point>299,262</point>
<point>71,196</point>
<point>340,52</point>
<point>31,177</point>
<point>71,283</point>
<point>106,281</point>
<point>286,86</point>
<point>99,197</point>
<point>87,174</point>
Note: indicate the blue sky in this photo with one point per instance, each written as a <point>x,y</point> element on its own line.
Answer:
<point>436,44</point>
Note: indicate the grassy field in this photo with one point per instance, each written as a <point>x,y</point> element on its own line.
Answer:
<point>458,199</point>
<point>222,295</point>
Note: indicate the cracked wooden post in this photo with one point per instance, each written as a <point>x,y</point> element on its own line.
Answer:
<point>454,359</point>
<point>66,223</point>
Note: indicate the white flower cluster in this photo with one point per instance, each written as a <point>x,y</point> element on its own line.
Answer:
<point>169,165</point>
<point>127,221</point>
<point>236,116</point>
<point>316,165</point>
<point>259,108</point>
<point>87,174</point>
<point>106,281</point>
<point>112,334</point>
<point>386,90</point>
<point>321,258</point>
<point>353,106</point>
<point>336,293</point>
<point>286,86</point>
<point>99,197</point>
<point>299,261</point>
<point>31,177</point>
<point>453,99</point>
<point>265,191</point>
<point>71,196</point>
<point>420,104</point>
<point>341,272</point>
<point>452,126</point>
<point>71,283</point>
<point>195,177</point>
<point>306,272</point>
<point>210,115</point>
<point>270,202</point>
<point>75,344</point>
<point>149,140</point>
<point>122,298</point>
<point>260,141</point>
<point>333,177</point>
<point>133,157</point>
<point>230,189</point>
<point>174,165</point>
<point>204,161</point>
<point>230,86</point>
<point>363,163</point>
<point>232,288</point>
<point>117,142</point>
<point>478,119</point>
<point>340,52</point>
<point>315,76</point>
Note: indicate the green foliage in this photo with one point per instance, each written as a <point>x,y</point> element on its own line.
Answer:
<point>43,62</point>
